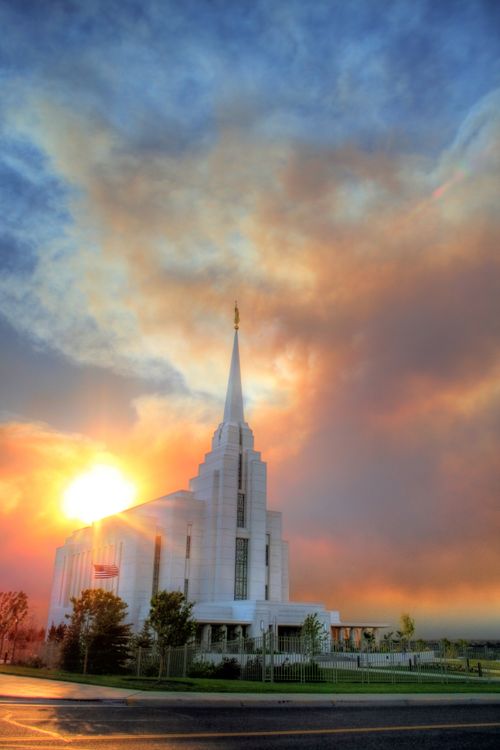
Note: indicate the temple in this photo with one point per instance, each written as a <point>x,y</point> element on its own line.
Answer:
<point>217,543</point>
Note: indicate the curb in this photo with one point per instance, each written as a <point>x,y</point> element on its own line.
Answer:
<point>313,702</point>
<point>245,700</point>
<point>42,701</point>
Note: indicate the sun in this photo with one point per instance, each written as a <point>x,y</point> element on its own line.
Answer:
<point>99,492</point>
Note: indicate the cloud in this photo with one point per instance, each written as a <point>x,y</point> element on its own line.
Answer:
<point>367,276</point>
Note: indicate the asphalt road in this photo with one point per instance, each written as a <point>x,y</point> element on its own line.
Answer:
<point>91,726</point>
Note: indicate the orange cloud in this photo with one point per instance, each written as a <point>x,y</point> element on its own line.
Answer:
<point>369,344</point>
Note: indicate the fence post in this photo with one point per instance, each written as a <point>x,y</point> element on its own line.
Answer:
<point>168,661</point>
<point>85,658</point>
<point>184,665</point>
<point>302,662</point>
<point>138,669</point>
<point>271,655</point>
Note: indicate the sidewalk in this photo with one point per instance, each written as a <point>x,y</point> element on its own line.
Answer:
<point>31,689</point>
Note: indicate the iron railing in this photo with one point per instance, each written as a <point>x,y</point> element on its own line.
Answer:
<point>274,659</point>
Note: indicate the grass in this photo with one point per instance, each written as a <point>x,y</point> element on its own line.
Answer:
<point>203,685</point>
<point>488,665</point>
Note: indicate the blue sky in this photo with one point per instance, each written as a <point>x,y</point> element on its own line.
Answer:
<point>334,166</point>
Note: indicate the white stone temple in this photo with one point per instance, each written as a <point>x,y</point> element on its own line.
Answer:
<point>217,543</point>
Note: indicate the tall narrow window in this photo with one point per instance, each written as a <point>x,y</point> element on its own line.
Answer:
<point>240,516</point>
<point>268,557</point>
<point>188,541</point>
<point>241,569</point>
<point>186,587</point>
<point>240,471</point>
<point>156,564</point>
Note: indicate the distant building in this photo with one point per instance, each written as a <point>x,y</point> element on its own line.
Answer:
<point>217,543</point>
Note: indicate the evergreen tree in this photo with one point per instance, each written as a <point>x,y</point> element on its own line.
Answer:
<point>56,633</point>
<point>144,638</point>
<point>72,647</point>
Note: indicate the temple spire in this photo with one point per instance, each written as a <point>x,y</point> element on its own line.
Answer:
<point>233,409</point>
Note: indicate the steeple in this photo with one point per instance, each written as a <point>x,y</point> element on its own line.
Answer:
<point>233,409</point>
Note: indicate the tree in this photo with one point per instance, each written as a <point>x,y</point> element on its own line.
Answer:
<point>72,646</point>
<point>369,641</point>
<point>421,645</point>
<point>407,629</point>
<point>448,648</point>
<point>313,633</point>
<point>97,637</point>
<point>170,617</point>
<point>386,644</point>
<point>13,610</point>
<point>407,626</point>
<point>144,638</point>
<point>56,632</point>
<point>24,639</point>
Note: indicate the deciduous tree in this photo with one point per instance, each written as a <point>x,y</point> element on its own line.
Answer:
<point>406,630</point>
<point>407,624</point>
<point>313,633</point>
<point>13,610</point>
<point>171,618</point>
<point>97,637</point>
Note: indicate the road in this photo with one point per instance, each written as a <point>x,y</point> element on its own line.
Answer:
<point>91,726</point>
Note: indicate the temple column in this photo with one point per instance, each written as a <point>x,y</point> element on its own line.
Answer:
<point>206,636</point>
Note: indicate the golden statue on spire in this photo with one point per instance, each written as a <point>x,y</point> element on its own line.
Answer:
<point>236,316</point>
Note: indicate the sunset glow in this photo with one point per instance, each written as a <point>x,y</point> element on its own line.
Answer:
<point>99,492</point>
<point>335,168</point>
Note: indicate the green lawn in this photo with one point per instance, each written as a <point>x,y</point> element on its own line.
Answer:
<point>240,686</point>
<point>488,665</point>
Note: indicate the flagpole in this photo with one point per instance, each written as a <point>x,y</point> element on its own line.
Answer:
<point>119,569</point>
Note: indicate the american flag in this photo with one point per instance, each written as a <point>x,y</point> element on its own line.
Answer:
<point>105,571</point>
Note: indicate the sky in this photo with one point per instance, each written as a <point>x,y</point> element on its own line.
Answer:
<point>333,166</point>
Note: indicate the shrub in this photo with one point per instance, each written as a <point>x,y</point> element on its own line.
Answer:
<point>297,671</point>
<point>228,669</point>
<point>286,673</point>
<point>312,672</point>
<point>201,669</point>
<point>252,669</point>
<point>35,662</point>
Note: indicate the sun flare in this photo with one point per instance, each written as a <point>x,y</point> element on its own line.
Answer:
<point>99,492</point>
